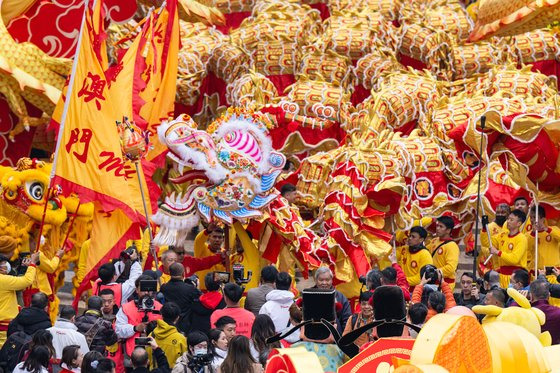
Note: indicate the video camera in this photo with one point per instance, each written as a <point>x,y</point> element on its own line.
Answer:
<point>238,270</point>
<point>146,303</point>
<point>198,362</point>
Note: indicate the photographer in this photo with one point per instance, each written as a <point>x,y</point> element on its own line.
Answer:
<point>196,359</point>
<point>470,295</point>
<point>436,301</point>
<point>8,287</point>
<point>183,293</point>
<point>109,277</point>
<point>140,359</point>
<point>132,319</point>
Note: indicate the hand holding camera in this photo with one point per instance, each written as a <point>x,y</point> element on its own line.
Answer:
<point>474,292</point>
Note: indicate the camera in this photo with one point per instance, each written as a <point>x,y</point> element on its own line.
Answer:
<point>142,341</point>
<point>221,277</point>
<point>363,280</point>
<point>128,252</point>
<point>197,362</point>
<point>239,274</point>
<point>146,303</point>
<point>431,273</point>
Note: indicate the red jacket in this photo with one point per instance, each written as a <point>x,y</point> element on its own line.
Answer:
<point>193,265</point>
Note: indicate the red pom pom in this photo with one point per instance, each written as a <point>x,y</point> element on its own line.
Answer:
<point>338,306</point>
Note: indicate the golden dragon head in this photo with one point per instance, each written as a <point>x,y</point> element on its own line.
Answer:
<point>24,188</point>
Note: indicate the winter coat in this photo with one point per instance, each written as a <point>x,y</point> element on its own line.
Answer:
<point>277,306</point>
<point>29,320</point>
<point>172,343</point>
<point>65,333</point>
<point>105,335</point>
<point>203,308</point>
<point>181,366</point>
<point>183,295</point>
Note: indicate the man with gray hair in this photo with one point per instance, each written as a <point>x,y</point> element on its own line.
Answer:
<point>538,296</point>
<point>491,280</point>
<point>324,280</point>
<point>168,257</point>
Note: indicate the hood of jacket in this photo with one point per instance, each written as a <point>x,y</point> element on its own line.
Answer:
<point>280,296</point>
<point>31,316</point>
<point>164,330</point>
<point>211,300</point>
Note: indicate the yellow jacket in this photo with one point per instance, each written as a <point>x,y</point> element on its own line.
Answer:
<point>513,249</point>
<point>46,266</point>
<point>445,257</point>
<point>549,248</point>
<point>412,262</point>
<point>168,338</point>
<point>8,287</point>
<point>494,229</point>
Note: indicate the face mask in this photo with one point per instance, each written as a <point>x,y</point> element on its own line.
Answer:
<point>200,351</point>
<point>501,219</point>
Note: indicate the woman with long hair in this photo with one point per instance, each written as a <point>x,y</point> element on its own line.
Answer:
<point>42,337</point>
<point>239,359</point>
<point>72,358</point>
<point>218,347</point>
<point>37,361</point>
<point>263,328</point>
<point>90,361</point>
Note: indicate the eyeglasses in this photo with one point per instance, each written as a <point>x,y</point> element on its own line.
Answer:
<point>180,252</point>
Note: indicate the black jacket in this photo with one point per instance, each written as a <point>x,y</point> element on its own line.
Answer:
<point>201,311</point>
<point>161,361</point>
<point>183,295</point>
<point>29,320</point>
<point>104,334</point>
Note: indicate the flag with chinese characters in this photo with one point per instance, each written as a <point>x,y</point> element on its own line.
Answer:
<point>156,77</point>
<point>89,158</point>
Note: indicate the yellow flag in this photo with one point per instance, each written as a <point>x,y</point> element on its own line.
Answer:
<point>159,76</point>
<point>89,158</point>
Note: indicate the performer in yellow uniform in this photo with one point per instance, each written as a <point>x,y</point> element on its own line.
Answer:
<point>445,252</point>
<point>502,213</point>
<point>209,242</point>
<point>549,242</point>
<point>414,256</point>
<point>510,246</point>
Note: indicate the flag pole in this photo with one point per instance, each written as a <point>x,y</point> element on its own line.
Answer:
<point>536,228</point>
<point>476,232</point>
<point>63,120</point>
<point>146,213</point>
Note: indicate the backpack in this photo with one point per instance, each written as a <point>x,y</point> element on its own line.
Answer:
<point>13,350</point>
